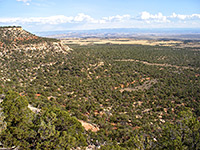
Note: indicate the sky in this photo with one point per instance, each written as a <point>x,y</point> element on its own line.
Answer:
<point>55,15</point>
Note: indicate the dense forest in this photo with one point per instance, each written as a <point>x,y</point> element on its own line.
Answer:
<point>139,97</point>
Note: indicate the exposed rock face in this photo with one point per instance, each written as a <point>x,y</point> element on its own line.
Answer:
<point>43,46</point>
<point>18,38</point>
<point>15,34</point>
<point>89,126</point>
<point>33,109</point>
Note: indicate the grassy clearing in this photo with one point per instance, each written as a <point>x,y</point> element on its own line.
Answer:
<point>126,41</point>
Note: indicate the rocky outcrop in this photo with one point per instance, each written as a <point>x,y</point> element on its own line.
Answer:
<point>13,34</point>
<point>17,38</point>
<point>89,126</point>
<point>34,109</point>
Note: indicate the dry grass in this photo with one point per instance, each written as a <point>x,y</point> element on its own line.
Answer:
<point>129,41</point>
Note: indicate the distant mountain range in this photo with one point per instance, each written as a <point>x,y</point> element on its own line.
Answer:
<point>144,33</point>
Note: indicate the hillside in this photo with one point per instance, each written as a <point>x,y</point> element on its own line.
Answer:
<point>12,36</point>
<point>23,57</point>
<point>97,96</point>
<point>24,48</point>
<point>17,35</point>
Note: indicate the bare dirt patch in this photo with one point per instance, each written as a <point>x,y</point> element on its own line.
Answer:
<point>145,86</point>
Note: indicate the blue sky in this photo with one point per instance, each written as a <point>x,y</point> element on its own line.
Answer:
<point>51,15</point>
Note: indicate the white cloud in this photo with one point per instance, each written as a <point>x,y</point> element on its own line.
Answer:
<point>182,17</point>
<point>154,18</point>
<point>145,15</point>
<point>185,17</point>
<point>84,18</point>
<point>159,17</point>
<point>59,19</point>
<point>116,18</point>
<point>25,1</point>
<point>83,21</point>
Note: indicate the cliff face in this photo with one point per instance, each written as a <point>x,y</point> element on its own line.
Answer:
<point>18,38</point>
<point>9,35</point>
